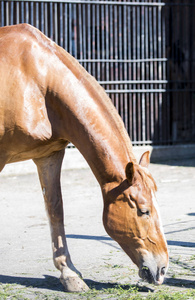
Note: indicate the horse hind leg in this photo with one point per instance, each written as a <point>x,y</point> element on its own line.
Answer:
<point>49,170</point>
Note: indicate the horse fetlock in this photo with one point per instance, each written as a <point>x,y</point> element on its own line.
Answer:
<point>72,282</point>
<point>60,262</point>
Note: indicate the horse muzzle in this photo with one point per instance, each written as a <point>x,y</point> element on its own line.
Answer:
<point>153,275</point>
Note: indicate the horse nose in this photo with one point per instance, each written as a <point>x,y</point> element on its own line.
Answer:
<point>151,277</point>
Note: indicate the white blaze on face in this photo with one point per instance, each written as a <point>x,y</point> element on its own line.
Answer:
<point>155,262</point>
<point>156,206</point>
<point>155,203</point>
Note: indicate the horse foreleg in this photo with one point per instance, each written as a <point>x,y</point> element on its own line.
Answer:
<point>49,169</point>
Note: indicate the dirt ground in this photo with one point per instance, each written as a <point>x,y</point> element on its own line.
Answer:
<point>26,265</point>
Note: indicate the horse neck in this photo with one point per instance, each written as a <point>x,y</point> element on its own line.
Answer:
<point>91,123</point>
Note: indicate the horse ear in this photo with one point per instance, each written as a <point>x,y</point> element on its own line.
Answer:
<point>145,159</point>
<point>130,171</point>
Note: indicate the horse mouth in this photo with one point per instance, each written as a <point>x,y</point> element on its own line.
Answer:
<point>146,275</point>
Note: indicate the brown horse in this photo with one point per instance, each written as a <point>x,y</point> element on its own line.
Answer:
<point>48,100</point>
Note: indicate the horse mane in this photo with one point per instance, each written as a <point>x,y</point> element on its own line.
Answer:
<point>96,91</point>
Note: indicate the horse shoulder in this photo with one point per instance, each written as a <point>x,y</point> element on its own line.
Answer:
<point>23,115</point>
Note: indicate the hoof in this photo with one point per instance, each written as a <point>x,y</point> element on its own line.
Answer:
<point>74,284</point>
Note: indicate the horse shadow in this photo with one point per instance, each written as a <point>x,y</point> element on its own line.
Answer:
<point>47,282</point>
<point>53,283</point>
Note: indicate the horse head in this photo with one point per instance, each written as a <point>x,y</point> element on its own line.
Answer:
<point>131,217</point>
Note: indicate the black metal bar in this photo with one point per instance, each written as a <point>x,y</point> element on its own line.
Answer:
<point>111,46</point>
<point>55,22</point>
<point>134,113</point>
<point>98,51</point>
<point>103,46</point>
<point>155,91</point>
<point>118,3</point>
<point>70,29</point>
<point>138,72</point>
<point>115,46</point>
<point>125,60</point>
<point>155,73</point>
<point>84,42</point>
<point>93,40</point>
<point>124,48</point>
<point>75,32</point>
<point>89,16</point>
<point>66,27</point>
<point>159,53</point>
<point>147,74</point>
<point>107,54</point>
<point>142,71</point>
<point>37,14</point>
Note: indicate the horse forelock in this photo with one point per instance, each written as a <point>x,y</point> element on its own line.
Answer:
<point>147,179</point>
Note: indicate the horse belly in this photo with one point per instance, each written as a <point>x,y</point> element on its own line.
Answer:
<point>31,150</point>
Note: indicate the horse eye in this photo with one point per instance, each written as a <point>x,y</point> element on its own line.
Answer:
<point>144,212</point>
<point>147,212</point>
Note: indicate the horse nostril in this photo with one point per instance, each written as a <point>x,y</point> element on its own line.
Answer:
<point>160,275</point>
<point>162,271</point>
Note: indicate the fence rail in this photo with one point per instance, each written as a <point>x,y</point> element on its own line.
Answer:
<point>141,52</point>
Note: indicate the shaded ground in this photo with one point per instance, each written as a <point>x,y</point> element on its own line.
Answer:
<point>26,267</point>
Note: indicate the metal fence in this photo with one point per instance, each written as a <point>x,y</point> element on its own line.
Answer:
<point>141,52</point>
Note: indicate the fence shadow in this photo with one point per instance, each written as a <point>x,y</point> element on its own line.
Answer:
<point>158,156</point>
<point>103,239</point>
<point>181,244</point>
<point>180,282</point>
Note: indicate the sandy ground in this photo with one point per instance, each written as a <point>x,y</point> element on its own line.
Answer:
<point>25,250</point>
